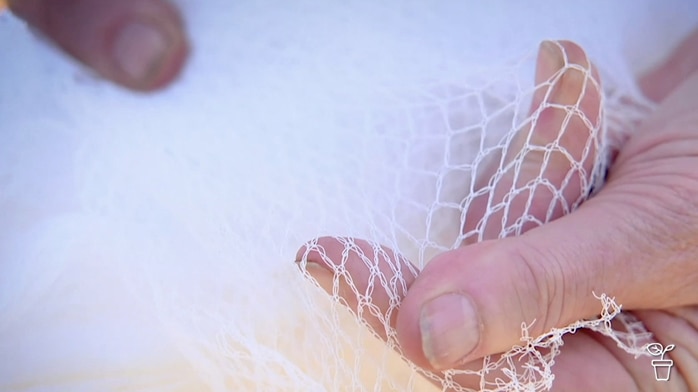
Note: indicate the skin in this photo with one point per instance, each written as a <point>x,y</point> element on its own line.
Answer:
<point>635,240</point>
<point>147,58</point>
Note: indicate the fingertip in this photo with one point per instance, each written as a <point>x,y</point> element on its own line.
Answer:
<point>560,57</point>
<point>147,55</point>
<point>550,60</point>
<point>574,54</point>
<point>145,45</point>
<point>370,279</point>
<point>569,109</point>
<point>317,265</point>
<point>323,251</point>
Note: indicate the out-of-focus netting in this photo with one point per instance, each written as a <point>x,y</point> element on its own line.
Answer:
<point>147,241</point>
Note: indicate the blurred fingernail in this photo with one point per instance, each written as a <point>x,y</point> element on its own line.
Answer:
<point>140,49</point>
<point>450,330</point>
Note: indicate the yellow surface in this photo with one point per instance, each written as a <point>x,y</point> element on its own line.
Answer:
<point>3,5</point>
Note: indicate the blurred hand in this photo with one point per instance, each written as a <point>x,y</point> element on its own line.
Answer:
<point>139,44</point>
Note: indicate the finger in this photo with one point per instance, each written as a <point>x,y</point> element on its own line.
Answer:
<point>586,353</point>
<point>545,170</point>
<point>662,80</point>
<point>136,43</point>
<point>368,278</point>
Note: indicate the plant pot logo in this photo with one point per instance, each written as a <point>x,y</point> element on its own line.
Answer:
<point>662,367</point>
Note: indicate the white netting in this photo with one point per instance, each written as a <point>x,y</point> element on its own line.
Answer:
<point>547,163</point>
<point>148,241</point>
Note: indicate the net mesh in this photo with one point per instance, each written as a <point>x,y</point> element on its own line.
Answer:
<point>550,159</point>
<point>148,241</point>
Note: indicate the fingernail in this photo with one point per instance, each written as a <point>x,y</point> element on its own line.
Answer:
<point>566,90</point>
<point>450,330</point>
<point>140,49</point>
<point>550,60</point>
<point>322,276</point>
<point>570,88</point>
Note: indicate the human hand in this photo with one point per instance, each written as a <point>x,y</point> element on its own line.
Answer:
<point>636,240</point>
<point>140,44</point>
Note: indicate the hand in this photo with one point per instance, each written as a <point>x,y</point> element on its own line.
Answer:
<point>636,240</point>
<point>140,44</point>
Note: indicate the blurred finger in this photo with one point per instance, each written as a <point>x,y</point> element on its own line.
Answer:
<point>659,82</point>
<point>139,44</point>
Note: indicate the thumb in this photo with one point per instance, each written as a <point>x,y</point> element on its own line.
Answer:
<point>635,241</point>
<point>137,43</point>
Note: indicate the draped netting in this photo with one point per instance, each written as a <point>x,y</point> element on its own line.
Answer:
<point>148,241</point>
